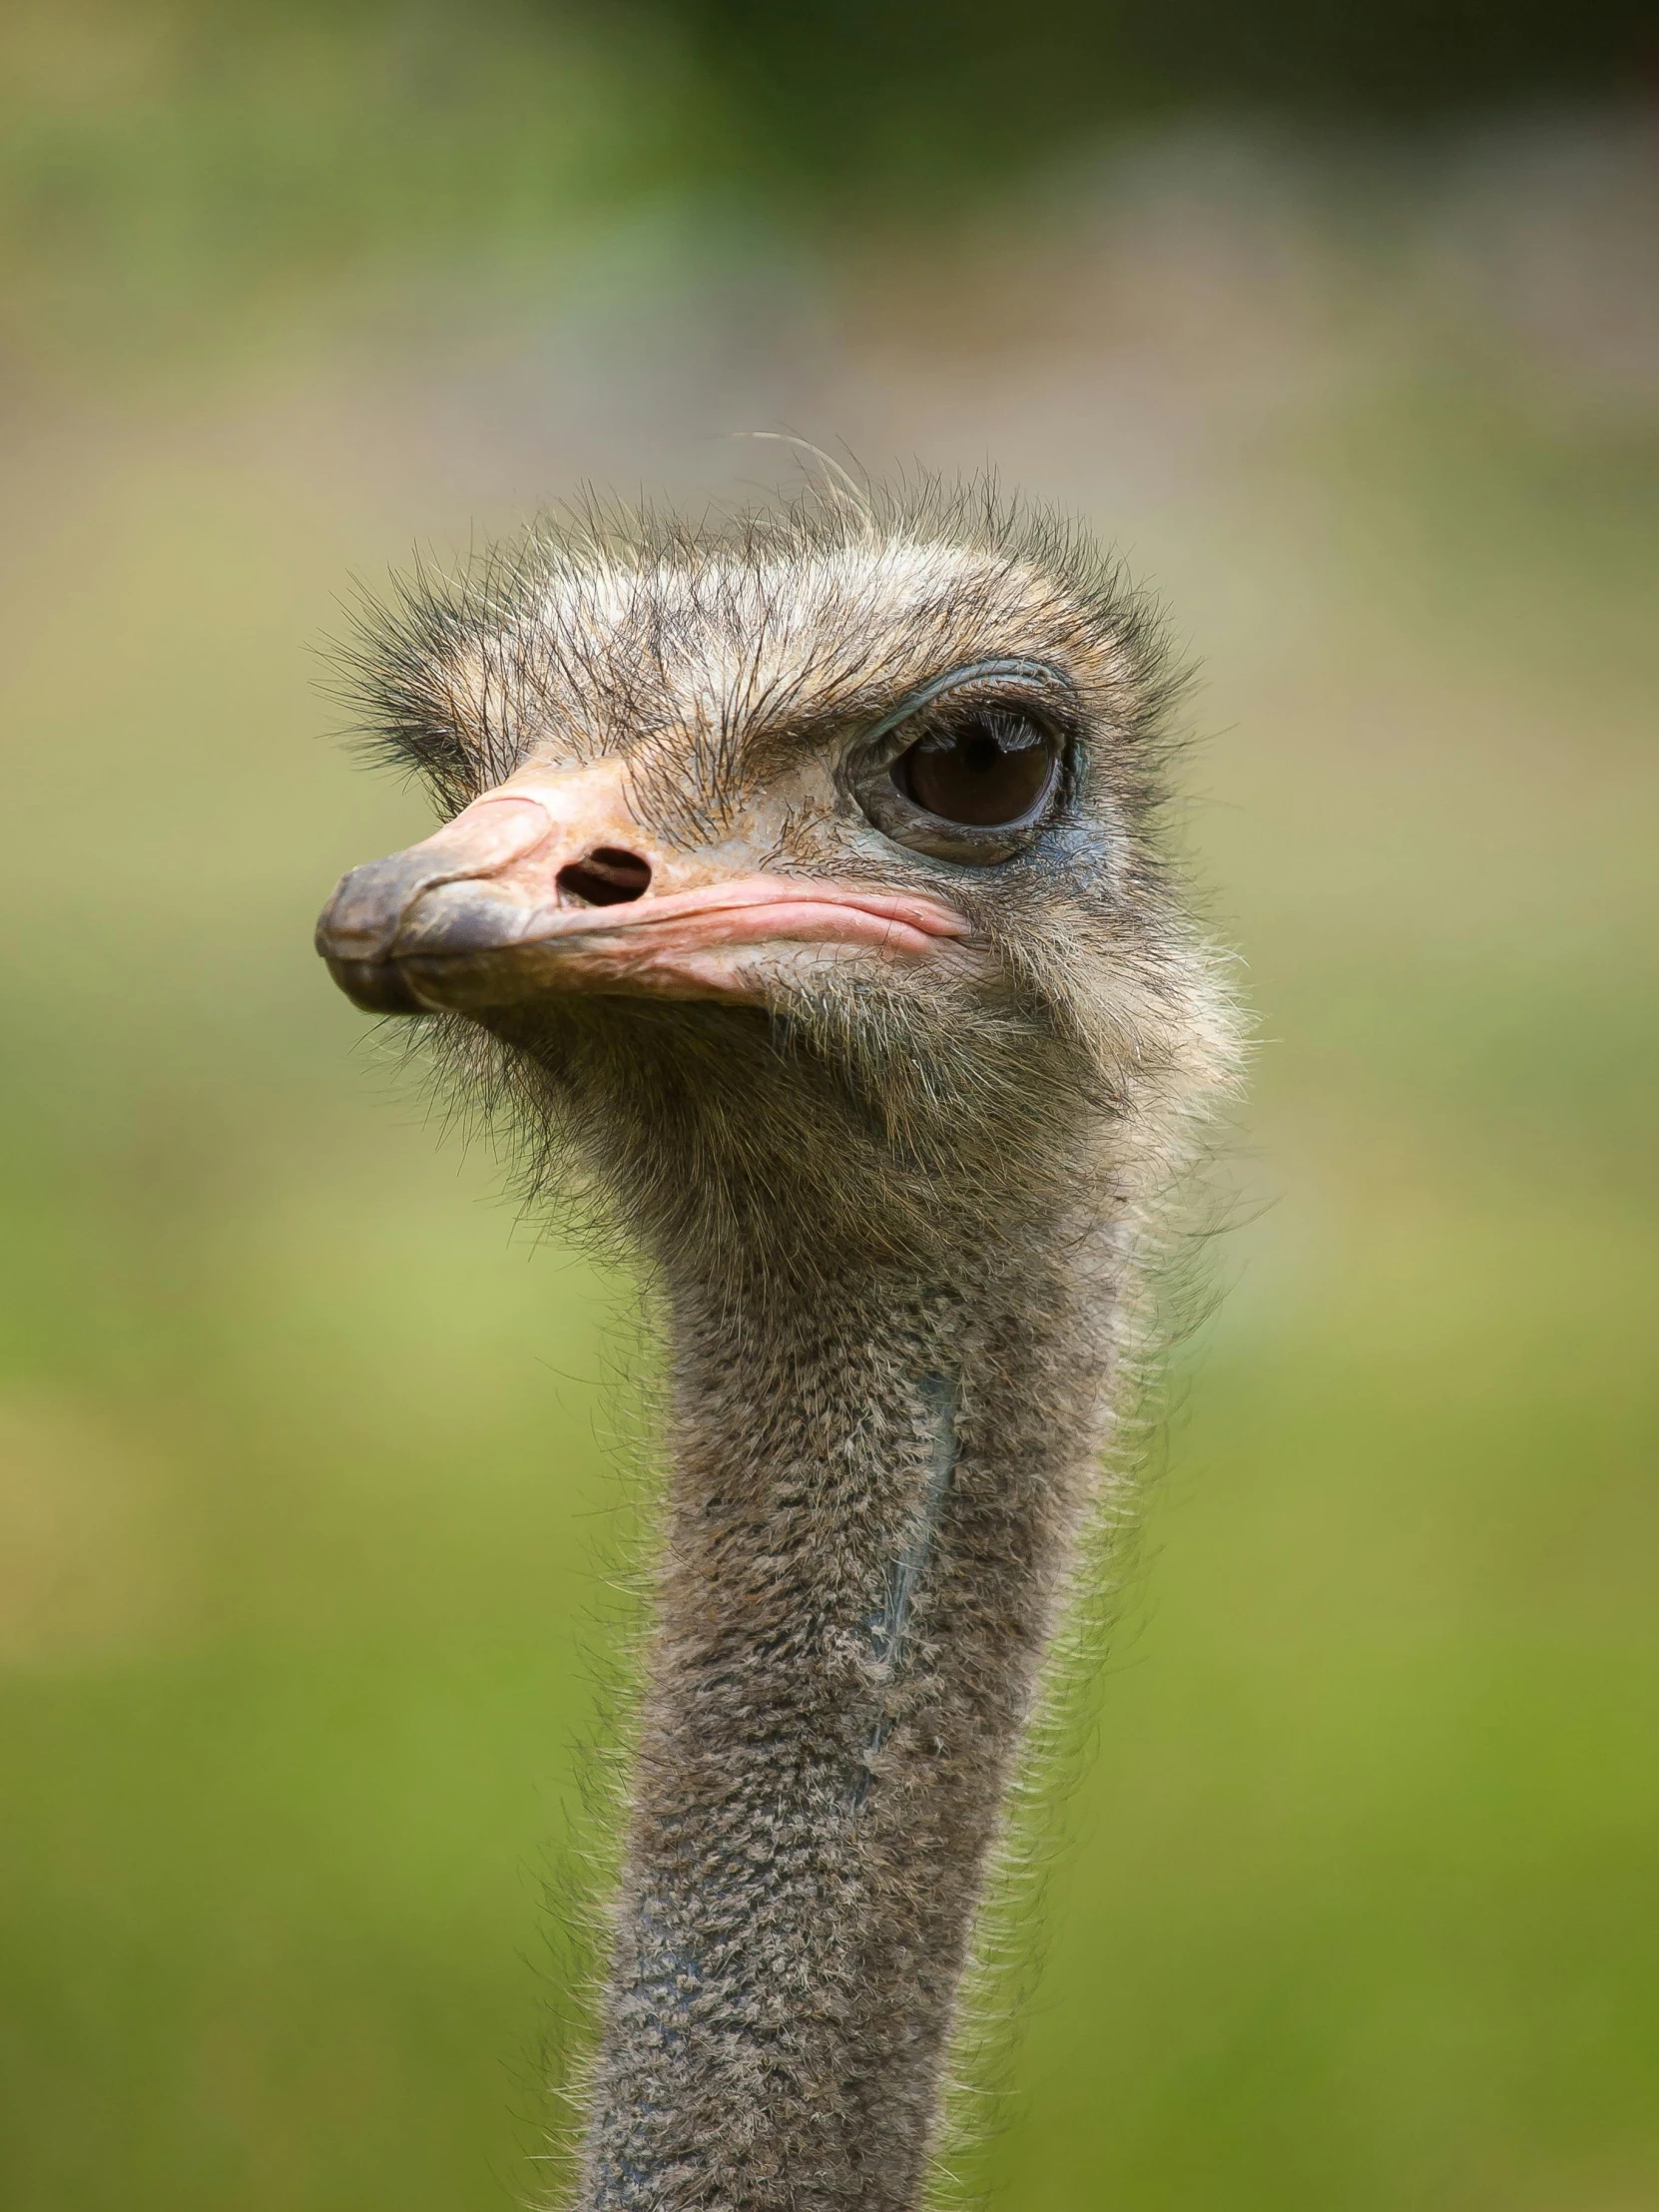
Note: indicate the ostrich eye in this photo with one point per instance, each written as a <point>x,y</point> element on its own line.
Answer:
<point>964,776</point>
<point>987,769</point>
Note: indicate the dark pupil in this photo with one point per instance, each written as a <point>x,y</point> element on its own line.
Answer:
<point>975,774</point>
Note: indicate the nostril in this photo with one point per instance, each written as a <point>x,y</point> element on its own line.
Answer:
<point>606,877</point>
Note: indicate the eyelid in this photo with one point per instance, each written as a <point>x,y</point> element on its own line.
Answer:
<point>1031,672</point>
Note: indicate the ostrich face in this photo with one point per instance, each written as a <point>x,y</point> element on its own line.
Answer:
<point>883,790</point>
<point>717,780</point>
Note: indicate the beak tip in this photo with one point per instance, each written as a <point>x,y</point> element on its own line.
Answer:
<point>360,918</point>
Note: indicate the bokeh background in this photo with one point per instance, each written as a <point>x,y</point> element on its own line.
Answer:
<point>1343,323</point>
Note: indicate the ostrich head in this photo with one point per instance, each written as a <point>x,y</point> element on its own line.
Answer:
<point>802,884</point>
<point>825,844</point>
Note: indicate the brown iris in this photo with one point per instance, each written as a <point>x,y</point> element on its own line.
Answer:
<point>984,769</point>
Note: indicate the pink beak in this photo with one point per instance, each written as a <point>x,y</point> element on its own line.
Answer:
<point>549,883</point>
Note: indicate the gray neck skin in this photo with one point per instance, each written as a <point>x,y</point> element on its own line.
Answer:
<point>876,1486</point>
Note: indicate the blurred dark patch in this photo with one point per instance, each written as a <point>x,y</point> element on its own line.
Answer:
<point>943,97</point>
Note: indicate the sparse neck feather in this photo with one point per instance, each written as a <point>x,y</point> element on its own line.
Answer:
<point>878,1477</point>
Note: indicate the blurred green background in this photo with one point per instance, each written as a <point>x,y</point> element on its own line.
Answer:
<point>1344,327</point>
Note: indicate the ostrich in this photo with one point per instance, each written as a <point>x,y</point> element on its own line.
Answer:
<point>803,886</point>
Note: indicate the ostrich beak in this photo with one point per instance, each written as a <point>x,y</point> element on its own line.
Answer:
<point>550,883</point>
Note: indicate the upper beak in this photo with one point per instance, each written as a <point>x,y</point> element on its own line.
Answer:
<point>550,883</point>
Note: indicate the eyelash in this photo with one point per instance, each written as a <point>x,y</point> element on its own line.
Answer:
<point>961,689</point>
<point>996,715</point>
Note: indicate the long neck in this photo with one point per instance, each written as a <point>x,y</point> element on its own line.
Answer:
<point>876,1479</point>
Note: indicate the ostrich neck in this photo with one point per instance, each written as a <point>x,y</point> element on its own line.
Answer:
<point>877,1471</point>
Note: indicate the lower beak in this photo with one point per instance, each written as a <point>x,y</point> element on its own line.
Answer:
<point>548,884</point>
